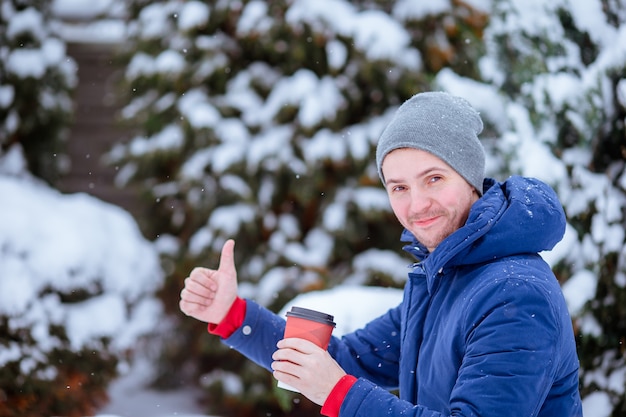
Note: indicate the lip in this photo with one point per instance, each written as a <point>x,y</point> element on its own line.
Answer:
<point>426,222</point>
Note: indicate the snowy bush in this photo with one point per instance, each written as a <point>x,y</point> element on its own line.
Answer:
<point>77,279</point>
<point>259,120</point>
<point>36,82</point>
<point>77,285</point>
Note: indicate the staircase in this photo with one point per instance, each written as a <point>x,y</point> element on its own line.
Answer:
<point>95,129</point>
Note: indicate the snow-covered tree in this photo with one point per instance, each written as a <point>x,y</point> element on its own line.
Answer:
<point>77,278</point>
<point>259,120</point>
<point>77,285</point>
<point>36,82</point>
<point>562,67</point>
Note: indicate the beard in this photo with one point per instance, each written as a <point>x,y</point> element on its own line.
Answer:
<point>431,236</point>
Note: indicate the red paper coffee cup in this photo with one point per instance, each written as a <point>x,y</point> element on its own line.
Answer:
<point>311,325</point>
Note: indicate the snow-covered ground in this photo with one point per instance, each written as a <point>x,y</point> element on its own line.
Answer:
<point>130,396</point>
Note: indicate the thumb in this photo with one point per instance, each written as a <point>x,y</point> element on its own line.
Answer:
<point>227,257</point>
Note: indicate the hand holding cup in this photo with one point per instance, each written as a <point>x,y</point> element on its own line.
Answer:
<point>303,324</point>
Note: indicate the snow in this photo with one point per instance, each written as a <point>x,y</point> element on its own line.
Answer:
<point>597,404</point>
<point>375,33</point>
<point>74,238</point>
<point>254,18</point>
<point>26,21</point>
<point>314,252</point>
<point>416,9</point>
<point>228,218</point>
<point>299,88</point>
<point>169,138</point>
<point>579,289</point>
<point>26,63</point>
<point>195,106</point>
<point>372,302</point>
<point>83,9</point>
<point>64,243</point>
<point>67,242</point>
<point>193,14</point>
<point>166,62</point>
<point>130,398</point>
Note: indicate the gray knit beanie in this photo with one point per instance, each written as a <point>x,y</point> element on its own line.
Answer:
<point>442,124</point>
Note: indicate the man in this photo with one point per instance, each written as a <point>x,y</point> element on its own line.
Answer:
<point>483,328</point>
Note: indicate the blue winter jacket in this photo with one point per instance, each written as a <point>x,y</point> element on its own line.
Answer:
<point>483,328</point>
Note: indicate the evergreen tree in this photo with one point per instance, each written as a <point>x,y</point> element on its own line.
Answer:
<point>564,67</point>
<point>36,82</point>
<point>50,280</point>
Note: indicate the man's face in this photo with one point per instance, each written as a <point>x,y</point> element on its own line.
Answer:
<point>428,197</point>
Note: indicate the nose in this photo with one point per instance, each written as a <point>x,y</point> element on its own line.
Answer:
<point>420,202</point>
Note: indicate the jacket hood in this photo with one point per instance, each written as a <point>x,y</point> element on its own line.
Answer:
<point>519,215</point>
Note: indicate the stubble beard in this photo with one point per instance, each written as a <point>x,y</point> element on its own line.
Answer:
<point>431,238</point>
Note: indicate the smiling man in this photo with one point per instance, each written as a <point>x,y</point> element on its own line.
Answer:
<point>483,328</point>
<point>430,199</point>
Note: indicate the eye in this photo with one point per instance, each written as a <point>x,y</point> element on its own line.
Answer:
<point>396,188</point>
<point>434,178</point>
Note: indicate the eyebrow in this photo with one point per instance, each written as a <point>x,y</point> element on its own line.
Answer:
<point>423,173</point>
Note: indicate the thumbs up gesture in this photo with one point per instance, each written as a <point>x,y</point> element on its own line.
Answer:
<point>209,293</point>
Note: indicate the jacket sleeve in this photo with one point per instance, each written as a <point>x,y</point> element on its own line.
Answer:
<point>366,399</point>
<point>258,335</point>
<point>372,352</point>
